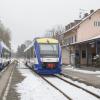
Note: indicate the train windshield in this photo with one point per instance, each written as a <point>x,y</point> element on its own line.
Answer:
<point>49,50</point>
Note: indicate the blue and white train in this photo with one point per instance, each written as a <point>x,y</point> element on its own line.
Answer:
<point>44,56</point>
<point>4,55</point>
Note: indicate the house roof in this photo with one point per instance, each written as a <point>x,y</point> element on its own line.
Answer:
<point>84,19</point>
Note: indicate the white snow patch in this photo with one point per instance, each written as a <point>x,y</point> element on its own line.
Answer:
<point>98,76</point>
<point>83,71</point>
<point>35,88</point>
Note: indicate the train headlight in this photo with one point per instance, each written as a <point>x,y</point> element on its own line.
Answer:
<point>51,65</point>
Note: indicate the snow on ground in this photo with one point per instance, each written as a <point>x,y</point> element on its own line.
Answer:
<point>90,88</point>
<point>35,88</point>
<point>98,76</point>
<point>82,71</point>
<point>73,92</point>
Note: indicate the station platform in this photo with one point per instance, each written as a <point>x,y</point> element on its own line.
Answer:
<point>87,75</point>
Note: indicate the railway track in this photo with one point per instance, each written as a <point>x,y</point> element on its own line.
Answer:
<point>45,78</point>
<point>79,87</point>
<point>71,83</point>
<point>68,98</point>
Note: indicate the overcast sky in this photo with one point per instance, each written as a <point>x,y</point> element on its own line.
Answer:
<point>30,18</point>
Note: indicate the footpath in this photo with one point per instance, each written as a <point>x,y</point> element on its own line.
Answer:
<point>15,79</point>
<point>4,77</point>
<point>87,75</point>
<point>8,80</point>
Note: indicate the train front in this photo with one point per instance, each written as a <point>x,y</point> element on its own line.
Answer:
<point>49,56</point>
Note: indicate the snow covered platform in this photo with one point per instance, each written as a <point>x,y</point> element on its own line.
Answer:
<point>88,75</point>
<point>26,85</point>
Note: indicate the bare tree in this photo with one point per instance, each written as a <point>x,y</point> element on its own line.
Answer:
<point>56,32</point>
<point>20,50</point>
<point>5,35</point>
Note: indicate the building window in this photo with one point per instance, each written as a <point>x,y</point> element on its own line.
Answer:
<point>83,53</point>
<point>69,40</point>
<point>96,23</point>
<point>72,39</point>
<point>75,38</point>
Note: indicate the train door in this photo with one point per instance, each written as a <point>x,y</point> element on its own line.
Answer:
<point>77,58</point>
<point>72,59</point>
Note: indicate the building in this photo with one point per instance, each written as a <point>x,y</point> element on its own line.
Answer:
<point>81,42</point>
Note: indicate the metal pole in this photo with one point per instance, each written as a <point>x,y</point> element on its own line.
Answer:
<point>87,53</point>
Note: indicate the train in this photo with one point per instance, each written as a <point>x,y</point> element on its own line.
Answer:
<point>5,55</point>
<point>44,56</point>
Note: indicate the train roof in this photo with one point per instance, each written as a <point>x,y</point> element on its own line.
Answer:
<point>3,45</point>
<point>41,40</point>
<point>46,40</point>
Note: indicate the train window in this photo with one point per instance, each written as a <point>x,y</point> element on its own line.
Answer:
<point>49,49</point>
